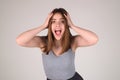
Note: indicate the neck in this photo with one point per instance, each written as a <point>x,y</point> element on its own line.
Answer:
<point>57,44</point>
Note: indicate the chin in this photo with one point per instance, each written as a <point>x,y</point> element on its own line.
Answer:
<point>58,38</point>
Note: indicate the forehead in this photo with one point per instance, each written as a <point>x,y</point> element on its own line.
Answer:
<point>57,16</point>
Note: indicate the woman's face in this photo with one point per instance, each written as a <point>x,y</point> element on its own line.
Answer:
<point>58,26</point>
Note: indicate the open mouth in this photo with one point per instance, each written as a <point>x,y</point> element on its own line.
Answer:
<point>58,32</point>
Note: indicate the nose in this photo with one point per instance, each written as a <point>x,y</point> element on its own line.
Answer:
<point>58,24</point>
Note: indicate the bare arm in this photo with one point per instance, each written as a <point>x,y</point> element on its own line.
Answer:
<point>29,38</point>
<point>84,38</point>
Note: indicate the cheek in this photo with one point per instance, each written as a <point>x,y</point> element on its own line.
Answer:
<point>52,29</point>
<point>63,28</point>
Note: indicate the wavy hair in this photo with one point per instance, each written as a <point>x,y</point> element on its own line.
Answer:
<point>66,38</point>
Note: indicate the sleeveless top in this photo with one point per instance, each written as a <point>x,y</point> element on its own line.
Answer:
<point>60,67</point>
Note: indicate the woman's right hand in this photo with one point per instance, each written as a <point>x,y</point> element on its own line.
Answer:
<point>29,38</point>
<point>45,25</point>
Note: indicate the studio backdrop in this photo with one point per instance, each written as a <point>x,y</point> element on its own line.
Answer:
<point>98,62</point>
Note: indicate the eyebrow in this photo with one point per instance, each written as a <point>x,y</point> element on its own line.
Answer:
<point>55,19</point>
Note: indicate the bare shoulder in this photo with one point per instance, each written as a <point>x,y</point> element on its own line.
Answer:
<point>76,41</point>
<point>43,40</point>
<point>37,41</point>
<point>73,43</point>
<point>79,41</point>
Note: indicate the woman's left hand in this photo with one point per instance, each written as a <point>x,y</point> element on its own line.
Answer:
<point>69,20</point>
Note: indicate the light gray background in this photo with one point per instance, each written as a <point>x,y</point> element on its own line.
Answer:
<point>98,62</point>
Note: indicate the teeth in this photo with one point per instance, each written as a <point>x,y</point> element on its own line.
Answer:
<point>58,32</point>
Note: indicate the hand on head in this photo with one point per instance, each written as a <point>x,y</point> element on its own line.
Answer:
<point>47,20</point>
<point>70,23</point>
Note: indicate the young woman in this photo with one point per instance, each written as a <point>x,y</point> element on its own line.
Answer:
<point>59,45</point>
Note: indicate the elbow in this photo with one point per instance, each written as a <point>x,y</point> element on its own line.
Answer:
<point>94,40</point>
<point>20,42</point>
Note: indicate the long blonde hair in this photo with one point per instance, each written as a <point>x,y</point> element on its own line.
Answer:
<point>66,38</point>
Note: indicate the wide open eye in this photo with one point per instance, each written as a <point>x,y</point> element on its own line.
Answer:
<point>52,21</point>
<point>63,21</point>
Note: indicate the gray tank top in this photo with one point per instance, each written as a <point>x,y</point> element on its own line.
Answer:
<point>59,67</point>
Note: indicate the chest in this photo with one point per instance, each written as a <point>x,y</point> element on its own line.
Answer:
<point>65,59</point>
<point>58,51</point>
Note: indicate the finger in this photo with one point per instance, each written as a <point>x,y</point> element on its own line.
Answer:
<point>65,16</point>
<point>50,15</point>
<point>68,15</point>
